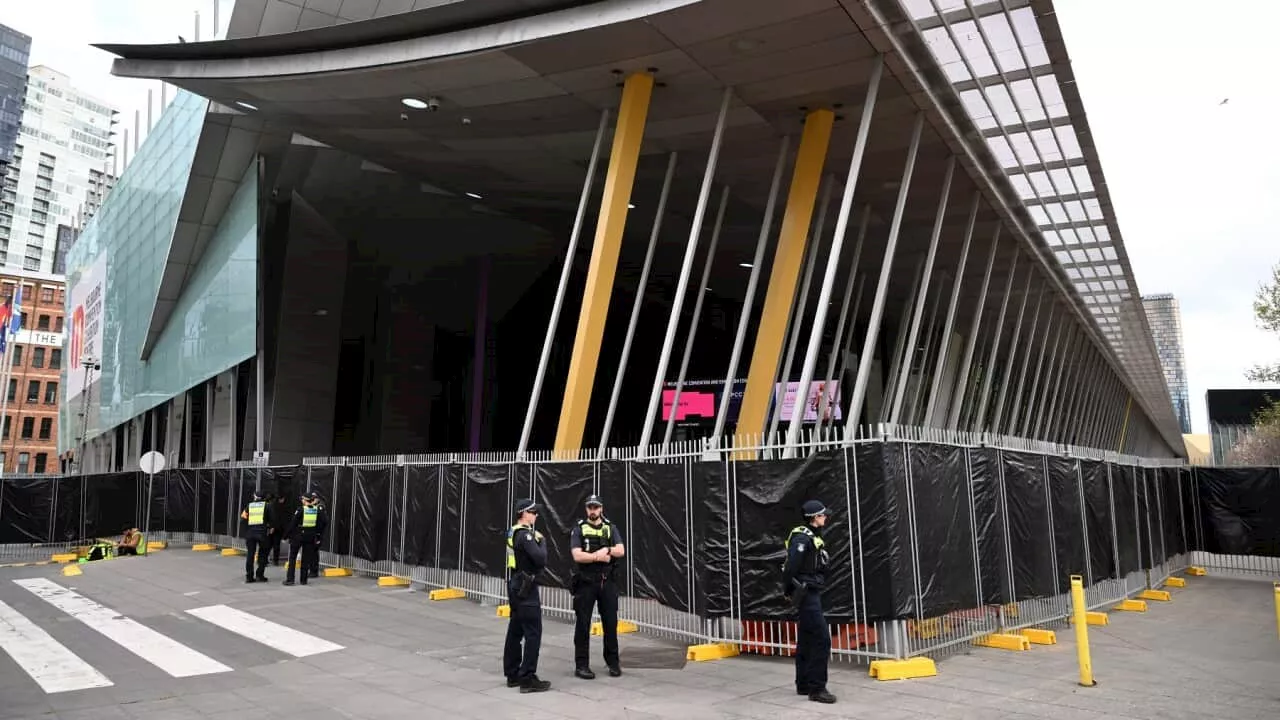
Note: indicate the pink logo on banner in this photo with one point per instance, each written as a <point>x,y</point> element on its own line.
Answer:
<point>692,404</point>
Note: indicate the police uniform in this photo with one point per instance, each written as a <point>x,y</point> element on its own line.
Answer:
<point>526,558</point>
<point>804,577</point>
<point>257,515</point>
<point>308,523</point>
<point>594,585</point>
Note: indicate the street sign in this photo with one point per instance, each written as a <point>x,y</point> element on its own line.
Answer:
<point>151,462</point>
<point>261,457</point>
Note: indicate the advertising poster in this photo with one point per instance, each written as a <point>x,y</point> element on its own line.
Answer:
<point>84,323</point>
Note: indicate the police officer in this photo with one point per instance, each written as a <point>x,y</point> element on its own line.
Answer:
<point>596,544</point>
<point>324,525</point>
<point>304,538</point>
<point>526,557</point>
<point>258,515</point>
<point>804,577</point>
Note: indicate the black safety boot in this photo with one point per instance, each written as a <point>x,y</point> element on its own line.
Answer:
<point>822,696</point>
<point>615,671</point>
<point>287,582</point>
<point>260,578</point>
<point>512,682</point>
<point>584,672</point>
<point>802,691</point>
<point>532,684</point>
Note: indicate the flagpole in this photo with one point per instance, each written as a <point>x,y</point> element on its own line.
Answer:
<point>4,399</point>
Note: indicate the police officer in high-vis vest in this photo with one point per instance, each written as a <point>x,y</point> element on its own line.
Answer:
<point>526,557</point>
<point>804,577</point>
<point>308,523</point>
<point>596,544</point>
<point>258,515</point>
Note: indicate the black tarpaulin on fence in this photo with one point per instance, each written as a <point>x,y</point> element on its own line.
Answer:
<point>943,529</point>
<point>155,515</point>
<point>769,495</point>
<point>884,578</point>
<point>1175,540</point>
<point>713,583</point>
<point>1190,509</point>
<point>67,512</point>
<point>561,491</point>
<point>1124,492</point>
<point>181,495</point>
<point>371,498</point>
<point>110,504</point>
<point>988,511</point>
<point>1068,528</point>
<point>321,482</point>
<point>1241,510</point>
<point>488,518</point>
<point>222,496</point>
<point>451,477</point>
<point>658,541</point>
<point>1145,521</point>
<point>25,506</point>
<point>422,515</point>
<point>1098,530</point>
<point>1030,534</point>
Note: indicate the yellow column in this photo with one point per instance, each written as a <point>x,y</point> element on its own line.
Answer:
<point>787,260</point>
<point>628,133</point>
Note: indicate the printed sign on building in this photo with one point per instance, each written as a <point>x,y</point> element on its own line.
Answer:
<point>85,324</point>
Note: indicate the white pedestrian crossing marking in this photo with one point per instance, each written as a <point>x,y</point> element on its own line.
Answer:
<point>171,656</point>
<point>273,635</point>
<point>55,668</point>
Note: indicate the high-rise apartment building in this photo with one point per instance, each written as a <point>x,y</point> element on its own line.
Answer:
<point>29,431</point>
<point>15,48</point>
<point>61,170</point>
<point>1165,320</point>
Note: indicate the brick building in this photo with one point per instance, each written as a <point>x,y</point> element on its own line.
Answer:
<point>29,435</point>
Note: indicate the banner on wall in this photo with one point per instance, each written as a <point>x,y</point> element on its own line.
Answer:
<point>85,322</point>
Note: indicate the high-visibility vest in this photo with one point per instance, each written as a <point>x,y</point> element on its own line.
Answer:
<point>511,544</point>
<point>593,537</point>
<point>309,516</point>
<point>257,513</point>
<point>819,562</point>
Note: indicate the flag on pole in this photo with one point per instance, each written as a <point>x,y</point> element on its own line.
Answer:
<point>15,312</point>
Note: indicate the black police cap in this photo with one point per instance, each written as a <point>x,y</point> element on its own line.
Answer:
<point>525,505</point>
<point>594,500</point>
<point>814,507</point>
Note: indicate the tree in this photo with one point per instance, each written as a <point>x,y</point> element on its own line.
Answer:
<point>1266,308</point>
<point>1260,445</point>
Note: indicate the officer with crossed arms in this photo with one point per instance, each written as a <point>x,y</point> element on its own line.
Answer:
<point>596,544</point>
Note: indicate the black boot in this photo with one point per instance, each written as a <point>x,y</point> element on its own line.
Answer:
<point>584,672</point>
<point>822,696</point>
<point>532,684</point>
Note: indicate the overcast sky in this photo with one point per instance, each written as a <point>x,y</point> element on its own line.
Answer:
<point>1195,182</point>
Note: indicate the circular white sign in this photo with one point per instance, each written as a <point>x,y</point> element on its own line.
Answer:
<point>151,462</point>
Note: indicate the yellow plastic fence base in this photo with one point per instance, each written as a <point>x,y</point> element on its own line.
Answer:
<point>447,594</point>
<point>1131,606</point>
<point>1158,595</point>
<point>336,572</point>
<point>392,581</point>
<point>203,547</point>
<point>909,669</point>
<point>157,545</point>
<point>1003,641</point>
<point>228,552</point>
<point>504,611</point>
<point>1036,636</point>
<point>1093,618</point>
<point>1197,571</point>
<point>710,651</point>
<point>70,570</point>
<point>624,626</point>
<point>1175,582</point>
<point>64,558</point>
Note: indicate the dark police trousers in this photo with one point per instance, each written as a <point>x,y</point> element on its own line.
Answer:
<point>309,549</point>
<point>256,543</point>
<point>525,625</point>
<point>813,646</point>
<point>591,590</point>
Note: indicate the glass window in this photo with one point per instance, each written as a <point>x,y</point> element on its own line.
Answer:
<point>28,427</point>
<point>33,391</point>
<point>37,357</point>
<point>7,422</point>
<point>42,461</point>
<point>24,461</point>
<point>57,323</point>
<point>55,358</point>
<point>43,323</point>
<point>17,356</point>
<point>13,389</point>
<point>46,428</point>
<point>51,393</point>
<point>46,294</point>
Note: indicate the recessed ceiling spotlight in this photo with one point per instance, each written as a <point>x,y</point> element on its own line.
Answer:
<point>414,103</point>
<point>246,105</point>
<point>473,195</point>
<point>631,206</point>
<point>321,312</point>
<point>745,265</point>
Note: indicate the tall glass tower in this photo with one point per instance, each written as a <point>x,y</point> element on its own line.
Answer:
<point>1165,320</point>
<point>15,48</point>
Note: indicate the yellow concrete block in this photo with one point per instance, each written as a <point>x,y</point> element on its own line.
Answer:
<point>1036,636</point>
<point>1197,571</point>
<point>624,626</point>
<point>1093,618</point>
<point>911,668</point>
<point>157,545</point>
<point>711,651</point>
<point>64,558</point>
<point>336,572</point>
<point>203,547</point>
<point>1131,605</point>
<point>447,594</point>
<point>70,570</point>
<point>1176,582</point>
<point>392,581</point>
<point>504,611</point>
<point>229,552</point>
<point>1158,595</point>
<point>1004,641</point>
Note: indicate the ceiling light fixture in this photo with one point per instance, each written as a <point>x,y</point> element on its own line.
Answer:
<point>246,105</point>
<point>473,195</point>
<point>745,265</point>
<point>414,103</point>
<point>631,206</point>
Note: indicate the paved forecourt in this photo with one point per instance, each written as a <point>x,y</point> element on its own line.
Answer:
<point>179,635</point>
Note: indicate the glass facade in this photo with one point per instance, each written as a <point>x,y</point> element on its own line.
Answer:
<point>1165,320</point>
<point>15,48</point>
<point>125,248</point>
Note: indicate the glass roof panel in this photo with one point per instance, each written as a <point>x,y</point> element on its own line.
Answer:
<point>1003,43</point>
<point>945,52</point>
<point>1028,34</point>
<point>1024,93</point>
<point>977,107</point>
<point>1022,185</point>
<point>973,49</point>
<point>1000,148</point>
<point>1052,95</point>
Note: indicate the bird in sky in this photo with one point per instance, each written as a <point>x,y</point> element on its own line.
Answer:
<point>1224,102</point>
